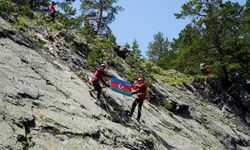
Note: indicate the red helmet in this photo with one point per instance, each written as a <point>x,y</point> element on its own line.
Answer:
<point>140,79</point>
<point>103,65</point>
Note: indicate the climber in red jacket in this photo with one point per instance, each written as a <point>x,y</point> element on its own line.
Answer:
<point>99,74</point>
<point>52,10</point>
<point>141,91</point>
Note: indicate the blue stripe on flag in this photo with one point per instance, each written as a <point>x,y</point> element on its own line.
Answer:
<point>114,79</point>
<point>121,91</point>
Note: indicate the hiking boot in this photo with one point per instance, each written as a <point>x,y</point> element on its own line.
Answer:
<point>91,93</point>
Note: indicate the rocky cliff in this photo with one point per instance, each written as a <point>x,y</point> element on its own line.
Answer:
<point>45,105</point>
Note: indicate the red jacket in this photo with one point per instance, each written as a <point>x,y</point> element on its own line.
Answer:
<point>207,70</point>
<point>52,8</point>
<point>99,75</point>
<point>141,90</point>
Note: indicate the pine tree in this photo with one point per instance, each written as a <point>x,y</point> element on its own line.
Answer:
<point>191,50</point>
<point>136,52</point>
<point>100,13</point>
<point>67,16</point>
<point>159,51</point>
<point>219,24</point>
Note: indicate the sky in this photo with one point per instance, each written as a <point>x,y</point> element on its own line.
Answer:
<point>141,19</point>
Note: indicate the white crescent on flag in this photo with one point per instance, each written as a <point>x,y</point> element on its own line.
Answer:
<point>121,86</point>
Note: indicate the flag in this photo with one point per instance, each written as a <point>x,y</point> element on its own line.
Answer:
<point>120,86</point>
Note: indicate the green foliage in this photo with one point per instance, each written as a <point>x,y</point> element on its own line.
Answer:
<point>136,52</point>
<point>6,6</point>
<point>55,27</point>
<point>40,45</point>
<point>157,47</point>
<point>102,51</point>
<point>28,143</point>
<point>88,29</point>
<point>186,46</point>
<point>127,46</point>
<point>22,20</point>
<point>96,54</point>
<point>101,13</point>
<point>110,41</point>
<point>135,55</point>
<point>159,51</point>
<point>171,78</point>
<point>20,7</point>
<point>205,108</point>
<point>67,16</point>
<point>217,36</point>
<point>211,132</point>
<point>25,10</point>
<point>139,66</point>
<point>168,106</point>
<point>244,52</point>
<point>20,24</point>
<point>144,69</point>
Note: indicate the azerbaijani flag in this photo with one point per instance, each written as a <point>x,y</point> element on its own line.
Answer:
<point>120,86</point>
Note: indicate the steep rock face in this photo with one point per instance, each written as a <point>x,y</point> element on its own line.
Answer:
<point>44,105</point>
<point>233,100</point>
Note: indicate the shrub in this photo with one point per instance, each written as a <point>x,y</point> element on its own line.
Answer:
<point>168,106</point>
<point>88,29</point>
<point>6,6</point>
<point>96,54</point>
<point>20,24</point>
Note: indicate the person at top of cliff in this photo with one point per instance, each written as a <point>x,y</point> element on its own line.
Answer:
<point>98,75</point>
<point>141,92</point>
<point>205,69</point>
<point>52,10</point>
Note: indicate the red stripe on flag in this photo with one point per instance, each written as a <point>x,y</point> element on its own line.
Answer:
<point>121,86</point>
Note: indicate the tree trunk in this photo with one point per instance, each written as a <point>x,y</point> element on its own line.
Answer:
<point>100,16</point>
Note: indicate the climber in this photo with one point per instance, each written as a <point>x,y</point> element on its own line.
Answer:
<point>98,75</point>
<point>52,10</point>
<point>141,91</point>
<point>205,69</point>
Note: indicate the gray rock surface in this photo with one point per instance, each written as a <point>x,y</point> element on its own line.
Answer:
<point>45,105</point>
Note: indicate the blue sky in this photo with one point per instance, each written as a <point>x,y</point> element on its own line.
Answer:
<point>141,19</point>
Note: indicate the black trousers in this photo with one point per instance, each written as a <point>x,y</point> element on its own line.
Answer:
<point>140,103</point>
<point>98,88</point>
<point>53,16</point>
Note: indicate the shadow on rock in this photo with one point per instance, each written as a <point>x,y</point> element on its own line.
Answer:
<point>181,110</point>
<point>119,115</point>
<point>115,110</point>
